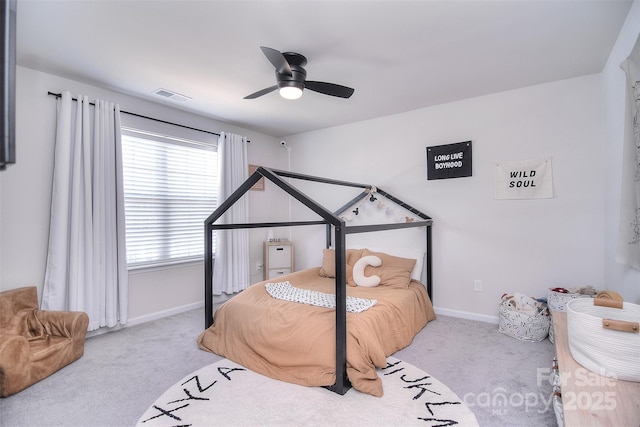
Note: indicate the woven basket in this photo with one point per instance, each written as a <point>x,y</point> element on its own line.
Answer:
<point>522,326</point>
<point>603,336</point>
<point>551,336</point>
<point>557,301</point>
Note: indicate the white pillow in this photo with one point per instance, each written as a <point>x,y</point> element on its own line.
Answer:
<point>418,255</point>
<point>358,271</point>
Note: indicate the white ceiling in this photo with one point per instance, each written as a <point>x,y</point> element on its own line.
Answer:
<point>398,55</point>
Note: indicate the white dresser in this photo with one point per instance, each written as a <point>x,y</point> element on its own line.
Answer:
<point>277,259</point>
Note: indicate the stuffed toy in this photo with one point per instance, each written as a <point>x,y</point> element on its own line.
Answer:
<point>521,302</point>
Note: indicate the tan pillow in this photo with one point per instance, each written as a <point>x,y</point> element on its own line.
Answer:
<point>394,272</point>
<point>328,268</point>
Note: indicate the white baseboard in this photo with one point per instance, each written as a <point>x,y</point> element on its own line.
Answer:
<point>148,317</point>
<point>164,313</point>
<point>466,315</point>
<point>219,299</point>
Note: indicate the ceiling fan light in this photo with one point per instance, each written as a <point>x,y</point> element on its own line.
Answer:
<point>290,92</point>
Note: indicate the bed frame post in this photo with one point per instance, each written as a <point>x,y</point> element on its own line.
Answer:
<point>429,263</point>
<point>342,384</point>
<point>328,237</point>
<point>208,275</point>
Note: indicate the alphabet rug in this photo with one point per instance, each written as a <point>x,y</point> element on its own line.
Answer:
<point>227,394</point>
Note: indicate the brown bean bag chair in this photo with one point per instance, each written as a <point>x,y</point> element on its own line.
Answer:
<point>35,343</point>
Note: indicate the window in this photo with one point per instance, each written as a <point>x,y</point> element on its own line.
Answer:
<point>170,187</point>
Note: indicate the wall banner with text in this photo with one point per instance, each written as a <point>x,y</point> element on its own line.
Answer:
<point>449,161</point>
<point>524,179</point>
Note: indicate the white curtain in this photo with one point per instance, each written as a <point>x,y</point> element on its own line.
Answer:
<point>86,264</point>
<point>231,270</point>
<point>628,250</point>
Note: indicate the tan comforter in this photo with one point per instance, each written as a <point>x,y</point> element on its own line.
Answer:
<point>295,342</point>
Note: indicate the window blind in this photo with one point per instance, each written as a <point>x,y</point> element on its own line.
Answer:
<point>170,187</point>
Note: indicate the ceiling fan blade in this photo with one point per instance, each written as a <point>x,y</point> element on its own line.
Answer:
<point>329,89</point>
<point>277,59</point>
<point>261,92</point>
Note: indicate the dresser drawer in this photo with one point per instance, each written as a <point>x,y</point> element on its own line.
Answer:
<point>275,273</point>
<point>280,256</point>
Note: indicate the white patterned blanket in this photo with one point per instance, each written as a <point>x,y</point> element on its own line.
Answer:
<point>284,291</point>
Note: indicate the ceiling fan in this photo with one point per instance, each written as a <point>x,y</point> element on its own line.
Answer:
<point>291,77</point>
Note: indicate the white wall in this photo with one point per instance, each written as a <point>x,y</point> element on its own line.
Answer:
<point>511,245</point>
<point>622,279</point>
<point>525,246</point>
<point>25,194</point>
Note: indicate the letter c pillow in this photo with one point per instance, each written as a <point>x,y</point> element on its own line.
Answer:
<point>358,271</point>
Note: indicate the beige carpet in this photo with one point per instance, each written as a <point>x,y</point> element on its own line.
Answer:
<point>225,393</point>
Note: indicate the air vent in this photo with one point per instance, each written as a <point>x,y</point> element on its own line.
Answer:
<point>171,95</point>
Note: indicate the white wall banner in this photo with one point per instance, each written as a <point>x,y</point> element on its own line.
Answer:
<point>524,179</point>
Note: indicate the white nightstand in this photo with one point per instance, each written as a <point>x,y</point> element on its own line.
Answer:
<point>277,259</point>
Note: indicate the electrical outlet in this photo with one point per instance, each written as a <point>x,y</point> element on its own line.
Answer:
<point>477,285</point>
<point>259,267</point>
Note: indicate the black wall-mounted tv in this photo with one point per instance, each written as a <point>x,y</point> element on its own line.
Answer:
<point>8,81</point>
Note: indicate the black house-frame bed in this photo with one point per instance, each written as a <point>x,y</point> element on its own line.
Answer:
<point>336,234</point>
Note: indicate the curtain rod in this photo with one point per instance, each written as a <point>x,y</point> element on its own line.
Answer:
<point>59,95</point>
